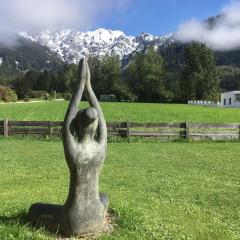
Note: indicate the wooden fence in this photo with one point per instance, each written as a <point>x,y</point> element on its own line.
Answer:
<point>171,131</point>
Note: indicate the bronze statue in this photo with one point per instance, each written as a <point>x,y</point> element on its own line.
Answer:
<point>85,142</point>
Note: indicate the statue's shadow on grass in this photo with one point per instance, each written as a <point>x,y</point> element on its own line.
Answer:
<point>22,219</point>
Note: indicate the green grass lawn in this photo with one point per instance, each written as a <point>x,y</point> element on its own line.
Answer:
<point>159,190</point>
<point>139,112</point>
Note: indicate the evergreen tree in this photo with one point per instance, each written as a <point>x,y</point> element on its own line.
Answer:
<point>153,71</point>
<point>31,78</point>
<point>95,68</point>
<point>110,73</point>
<point>199,79</point>
<point>43,82</point>
<point>145,76</point>
<point>22,87</point>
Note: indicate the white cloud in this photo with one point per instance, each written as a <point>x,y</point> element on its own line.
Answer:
<point>33,15</point>
<point>224,35</point>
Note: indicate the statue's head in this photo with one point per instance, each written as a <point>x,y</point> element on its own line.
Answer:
<point>85,123</point>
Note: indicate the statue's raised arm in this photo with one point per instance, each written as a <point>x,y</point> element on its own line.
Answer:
<point>73,106</point>
<point>92,99</point>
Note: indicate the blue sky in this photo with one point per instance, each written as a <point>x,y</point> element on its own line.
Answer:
<point>160,17</point>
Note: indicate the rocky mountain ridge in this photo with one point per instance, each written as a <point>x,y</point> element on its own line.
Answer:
<point>72,45</point>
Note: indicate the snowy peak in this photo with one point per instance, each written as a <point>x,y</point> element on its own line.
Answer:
<point>103,35</point>
<point>72,45</point>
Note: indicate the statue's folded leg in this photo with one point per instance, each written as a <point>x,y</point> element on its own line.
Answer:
<point>50,215</point>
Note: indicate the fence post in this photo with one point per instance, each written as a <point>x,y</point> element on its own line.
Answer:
<point>239,132</point>
<point>187,131</point>
<point>128,128</point>
<point>51,128</point>
<point>5,127</point>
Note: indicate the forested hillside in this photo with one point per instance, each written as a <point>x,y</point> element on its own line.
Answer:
<point>25,55</point>
<point>153,74</point>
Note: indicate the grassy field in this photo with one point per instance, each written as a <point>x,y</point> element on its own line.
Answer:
<point>159,190</point>
<point>139,112</point>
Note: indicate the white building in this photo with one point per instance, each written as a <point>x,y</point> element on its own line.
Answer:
<point>230,99</point>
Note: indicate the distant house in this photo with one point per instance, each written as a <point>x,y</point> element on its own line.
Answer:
<point>108,98</point>
<point>230,99</point>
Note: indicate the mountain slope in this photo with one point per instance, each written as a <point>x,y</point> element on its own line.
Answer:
<point>53,47</point>
<point>26,55</point>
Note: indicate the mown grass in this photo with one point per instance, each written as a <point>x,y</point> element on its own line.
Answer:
<point>139,112</point>
<point>158,190</point>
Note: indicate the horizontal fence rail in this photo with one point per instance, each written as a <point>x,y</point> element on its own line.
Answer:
<point>172,131</point>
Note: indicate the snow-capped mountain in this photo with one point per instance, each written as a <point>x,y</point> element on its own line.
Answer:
<point>72,45</point>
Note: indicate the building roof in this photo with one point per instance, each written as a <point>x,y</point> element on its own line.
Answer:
<point>234,92</point>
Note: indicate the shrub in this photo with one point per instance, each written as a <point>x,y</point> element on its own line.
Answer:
<point>39,94</point>
<point>67,96</point>
<point>59,95</point>
<point>7,94</point>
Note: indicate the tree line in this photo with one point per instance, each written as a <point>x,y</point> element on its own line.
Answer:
<point>145,78</point>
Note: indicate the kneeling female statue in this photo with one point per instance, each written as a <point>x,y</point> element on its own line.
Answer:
<point>85,142</point>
